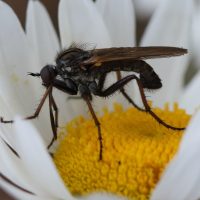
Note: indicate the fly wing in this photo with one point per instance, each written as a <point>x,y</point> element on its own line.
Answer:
<point>138,53</point>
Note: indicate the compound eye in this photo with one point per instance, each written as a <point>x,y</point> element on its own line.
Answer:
<point>47,74</point>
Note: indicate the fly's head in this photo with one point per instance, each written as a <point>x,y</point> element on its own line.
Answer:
<point>48,73</point>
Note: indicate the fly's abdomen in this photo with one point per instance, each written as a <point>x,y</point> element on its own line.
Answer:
<point>148,77</point>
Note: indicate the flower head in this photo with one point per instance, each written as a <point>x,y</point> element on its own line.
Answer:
<point>136,150</point>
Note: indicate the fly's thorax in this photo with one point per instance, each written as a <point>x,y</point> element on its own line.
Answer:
<point>82,79</point>
<point>76,74</point>
<point>69,60</point>
<point>69,70</point>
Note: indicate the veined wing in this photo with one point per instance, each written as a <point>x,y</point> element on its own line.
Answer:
<point>138,53</point>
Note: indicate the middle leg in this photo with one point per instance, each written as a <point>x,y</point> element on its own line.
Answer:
<point>101,84</point>
<point>97,124</point>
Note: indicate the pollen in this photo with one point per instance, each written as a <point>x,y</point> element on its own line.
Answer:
<point>136,150</point>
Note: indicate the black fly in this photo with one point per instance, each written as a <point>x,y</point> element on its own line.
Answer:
<point>85,71</point>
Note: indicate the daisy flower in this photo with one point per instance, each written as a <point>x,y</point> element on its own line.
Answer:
<point>33,174</point>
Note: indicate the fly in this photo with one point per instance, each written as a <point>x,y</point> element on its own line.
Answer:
<point>85,71</point>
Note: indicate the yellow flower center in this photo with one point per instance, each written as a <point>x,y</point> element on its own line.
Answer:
<point>136,150</point>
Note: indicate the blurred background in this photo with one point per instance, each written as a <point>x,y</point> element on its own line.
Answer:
<point>143,9</point>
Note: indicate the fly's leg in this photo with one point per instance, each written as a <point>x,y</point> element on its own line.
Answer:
<point>37,110</point>
<point>126,95</point>
<point>97,124</point>
<point>148,109</point>
<point>60,85</point>
<point>102,81</point>
<point>101,84</point>
<point>54,122</point>
<point>56,112</point>
<point>116,86</point>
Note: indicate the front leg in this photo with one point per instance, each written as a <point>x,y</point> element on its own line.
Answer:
<point>49,88</point>
<point>54,123</point>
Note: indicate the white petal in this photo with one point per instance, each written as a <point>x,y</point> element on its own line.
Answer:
<point>41,33</point>
<point>169,26</point>
<point>8,47</point>
<point>12,168</point>
<point>19,194</point>
<point>17,54</point>
<point>181,179</point>
<point>9,103</point>
<point>80,22</point>
<point>19,59</point>
<point>35,157</point>
<point>119,18</point>
<point>195,31</point>
<point>190,98</point>
<point>100,196</point>
<point>5,111</point>
<point>7,91</point>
